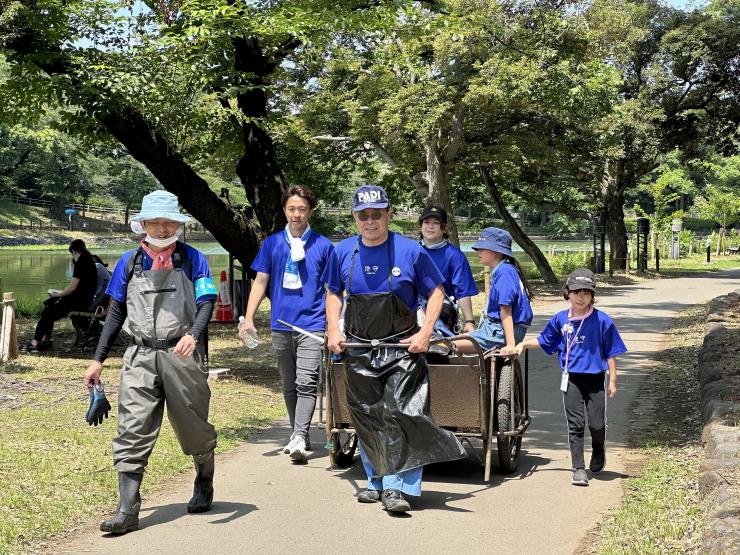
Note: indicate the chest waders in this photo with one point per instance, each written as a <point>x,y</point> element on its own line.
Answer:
<point>388,388</point>
<point>161,309</point>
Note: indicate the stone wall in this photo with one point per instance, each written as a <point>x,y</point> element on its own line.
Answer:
<point>719,379</point>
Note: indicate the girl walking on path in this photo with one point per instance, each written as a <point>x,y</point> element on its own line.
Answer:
<point>587,343</point>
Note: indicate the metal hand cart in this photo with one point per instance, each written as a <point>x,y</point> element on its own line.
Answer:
<point>481,396</point>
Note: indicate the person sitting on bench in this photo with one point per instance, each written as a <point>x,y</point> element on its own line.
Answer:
<point>76,296</point>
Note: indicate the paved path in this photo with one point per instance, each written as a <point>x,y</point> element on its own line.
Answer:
<point>265,504</point>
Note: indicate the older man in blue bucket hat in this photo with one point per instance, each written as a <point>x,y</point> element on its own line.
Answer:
<point>162,296</point>
<point>508,312</point>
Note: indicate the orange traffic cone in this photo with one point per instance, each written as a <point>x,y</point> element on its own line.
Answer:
<point>224,313</point>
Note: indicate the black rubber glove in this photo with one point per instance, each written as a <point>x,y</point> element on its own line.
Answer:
<point>99,406</point>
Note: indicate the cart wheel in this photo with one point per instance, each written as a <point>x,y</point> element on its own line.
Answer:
<point>509,414</point>
<point>342,453</point>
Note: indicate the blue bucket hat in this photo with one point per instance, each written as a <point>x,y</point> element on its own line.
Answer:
<point>160,204</point>
<point>494,239</point>
<point>369,196</point>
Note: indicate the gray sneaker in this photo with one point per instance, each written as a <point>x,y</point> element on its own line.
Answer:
<point>289,447</point>
<point>369,496</point>
<point>580,478</point>
<point>298,450</point>
<point>393,501</point>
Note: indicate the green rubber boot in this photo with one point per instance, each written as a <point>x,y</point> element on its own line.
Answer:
<point>127,515</point>
<point>203,486</point>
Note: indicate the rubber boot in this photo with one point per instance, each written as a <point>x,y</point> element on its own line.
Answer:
<point>127,514</point>
<point>203,486</point>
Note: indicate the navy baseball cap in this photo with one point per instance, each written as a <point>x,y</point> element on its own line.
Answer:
<point>434,211</point>
<point>494,239</point>
<point>369,196</point>
<point>581,278</point>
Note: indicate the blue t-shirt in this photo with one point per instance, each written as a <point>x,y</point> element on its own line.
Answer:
<point>412,271</point>
<point>304,307</point>
<point>507,289</point>
<point>455,269</point>
<point>200,275</point>
<point>597,341</point>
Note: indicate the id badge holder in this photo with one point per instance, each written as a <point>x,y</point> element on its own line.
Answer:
<point>564,382</point>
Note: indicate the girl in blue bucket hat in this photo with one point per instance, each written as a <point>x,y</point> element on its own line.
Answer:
<point>508,312</point>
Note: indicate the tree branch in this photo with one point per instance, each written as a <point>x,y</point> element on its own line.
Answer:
<point>419,184</point>
<point>517,233</point>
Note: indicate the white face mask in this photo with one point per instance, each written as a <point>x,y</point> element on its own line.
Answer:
<point>162,243</point>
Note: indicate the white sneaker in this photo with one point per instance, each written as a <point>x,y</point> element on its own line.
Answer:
<point>289,447</point>
<point>298,451</point>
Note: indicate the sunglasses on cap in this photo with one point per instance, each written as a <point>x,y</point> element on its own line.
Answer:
<point>372,215</point>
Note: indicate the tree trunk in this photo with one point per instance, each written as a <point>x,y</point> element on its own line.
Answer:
<point>534,252</point>
<point>441,153</point>
<point>720,240</point>
<point>258,169</point>
<point>438,178</point>
<point>612,192</point>
<point>262,181</point>
<point>236,234</point>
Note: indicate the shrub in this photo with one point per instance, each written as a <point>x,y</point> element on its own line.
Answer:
<point>563,264</point>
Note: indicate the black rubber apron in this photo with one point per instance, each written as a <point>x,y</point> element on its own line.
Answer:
<point>388,388</point>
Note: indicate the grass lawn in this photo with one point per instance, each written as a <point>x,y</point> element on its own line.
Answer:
<point>57,472</point>
<point>661,511</point>
<point>696,263</point>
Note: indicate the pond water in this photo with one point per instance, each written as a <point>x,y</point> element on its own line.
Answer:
<point>29,273</point>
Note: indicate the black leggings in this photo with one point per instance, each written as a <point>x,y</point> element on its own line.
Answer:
<point>585,391</point>
<point>52,312</point>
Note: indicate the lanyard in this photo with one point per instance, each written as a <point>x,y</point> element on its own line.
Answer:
<point>569,344</point>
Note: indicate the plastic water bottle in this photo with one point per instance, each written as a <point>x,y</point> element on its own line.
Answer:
<point>248,337</point>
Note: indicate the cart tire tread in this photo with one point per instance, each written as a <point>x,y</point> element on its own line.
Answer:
<point>509,448</point>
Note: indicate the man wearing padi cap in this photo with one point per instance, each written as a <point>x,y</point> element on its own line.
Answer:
<point>383,275</point>
<point>459,282</point>
<point>162,295</point>
<point>508,312</point>
<point>587,343</point>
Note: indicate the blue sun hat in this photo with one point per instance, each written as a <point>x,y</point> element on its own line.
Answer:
<point>160,204</point>
<point>494,239</point>
<point>157,204</point>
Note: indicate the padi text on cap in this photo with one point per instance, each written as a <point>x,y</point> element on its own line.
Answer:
<point>369,196</point>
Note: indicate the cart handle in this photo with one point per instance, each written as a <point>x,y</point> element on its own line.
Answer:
<point>496,353</point>
<point>378,344</point>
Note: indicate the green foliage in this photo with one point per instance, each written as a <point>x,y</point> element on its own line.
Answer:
<point>719,206</point>
<point>698,224</point>
<point>563,264</point>
<point>29,308</point>
<point>559,224</point>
